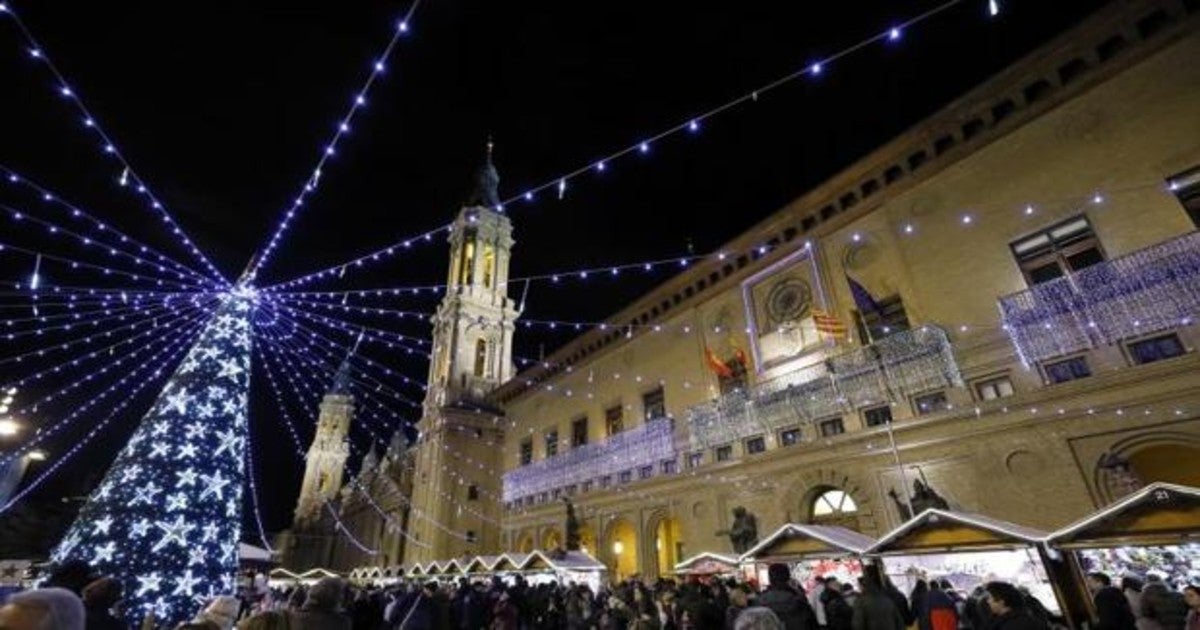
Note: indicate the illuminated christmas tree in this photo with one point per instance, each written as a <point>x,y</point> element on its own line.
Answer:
<point>166,519</point>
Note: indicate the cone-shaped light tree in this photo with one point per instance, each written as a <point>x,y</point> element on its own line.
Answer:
<point>166,519</point>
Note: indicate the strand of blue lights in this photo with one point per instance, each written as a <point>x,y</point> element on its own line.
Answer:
<point>129,178</point>
<point>341,130</point>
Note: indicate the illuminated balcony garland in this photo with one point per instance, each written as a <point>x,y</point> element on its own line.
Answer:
<point>1153,289</point>
<point>645,445</point>
<point>889,370</point>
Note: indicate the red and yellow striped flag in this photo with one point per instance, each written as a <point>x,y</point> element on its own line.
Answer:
<point>828,323</point>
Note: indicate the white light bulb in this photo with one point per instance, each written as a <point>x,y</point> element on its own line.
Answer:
<point>600,166</point>
<point>856,237</point>
<point>694,126</point>
<point>644,147</point>
<point>816,68</point>
<point>378,66</point>
<point>993,8</point>
<point>967,219</point>
<point>403,27</point>
<point>908,228</point>
<point>894,34</point>
<point>1097,198</point>
<point>1028,210</point>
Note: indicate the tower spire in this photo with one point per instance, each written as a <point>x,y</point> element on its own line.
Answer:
<point>341,380</point>
<point>485,190</point>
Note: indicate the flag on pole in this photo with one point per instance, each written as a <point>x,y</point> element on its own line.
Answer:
<point>716,365</point>
<point>863,300</point>
<point>828,324</point>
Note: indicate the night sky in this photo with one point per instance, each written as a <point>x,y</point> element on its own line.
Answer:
<point>223,108</point>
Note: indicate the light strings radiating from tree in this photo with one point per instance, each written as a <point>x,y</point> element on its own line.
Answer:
<point>640,148</point>
<point>359,101</point>
<point>108,147</point>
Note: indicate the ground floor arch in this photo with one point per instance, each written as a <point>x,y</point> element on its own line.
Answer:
<point>668,545</point>
<point>622,549</point>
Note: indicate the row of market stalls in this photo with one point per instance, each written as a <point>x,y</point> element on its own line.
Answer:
<point>1154,530</point>
<point>535,567</point>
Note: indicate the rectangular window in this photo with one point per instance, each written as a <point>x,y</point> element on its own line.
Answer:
<point>1057,250</point>
<point>993,388</point>
<point>606,481</point>
<point>932,402</point>
<point>877,416</point>
<point>654,404</point>
<point>831,427</point>
<point>694,460</point>
<point>579,431</point>
<point>572,490</point>
<point>625,476</point>
<point>470,536</point>
<point>614,420</point>
<point>472,492</point>
<point>756,445</point>
<point>551,439</point>
<point>888,317</point>
<point>1186,187</point>
<point>724,453</point>
<point>789,437</point>
<point>556,494</point>
<point>587,486</point>
<point>1071,369</point>
<point>645,472</point>
<point>526,451</point>
<point>1156,349</point>
<point>670,467</point>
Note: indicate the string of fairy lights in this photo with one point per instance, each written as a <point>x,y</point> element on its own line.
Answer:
<point>165,305</point>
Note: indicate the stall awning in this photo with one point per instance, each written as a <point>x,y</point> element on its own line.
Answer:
<point>251,553</point>
<point>935,531</point>
<point>509,562</point>
<point>1159,514</point>
<point>801,540</point>
<point>480,564</point>
<point>575,561</point>
<point>707,563</point>
<point>536,561</point>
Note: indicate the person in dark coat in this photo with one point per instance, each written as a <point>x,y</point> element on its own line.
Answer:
<point>787,602</point>
<point>1164,606</point>
<point>872,574</point>
<point>1007,605</point>
<point>99,598</point>
<point>1112,609</point>
<point>322,609</point>
<point>874,609</point>
<point>838,613</point>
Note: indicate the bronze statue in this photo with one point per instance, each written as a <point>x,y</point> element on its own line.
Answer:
<point>486,184</point>
<point>572,528</point>
<point>743,534</point>
<point>924,497</point>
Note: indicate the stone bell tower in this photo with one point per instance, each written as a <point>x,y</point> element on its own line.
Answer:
<point>456,504</point>
<point>326,459</point>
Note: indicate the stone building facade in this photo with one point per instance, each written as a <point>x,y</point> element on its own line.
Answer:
<point>1017,279</point>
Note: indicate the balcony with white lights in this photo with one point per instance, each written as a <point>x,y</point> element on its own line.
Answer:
<point>1146,291</point>
<point>890,370</point>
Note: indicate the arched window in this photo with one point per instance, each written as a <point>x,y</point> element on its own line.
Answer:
<point>833,505</point>
<point>489,264</point>
<point>467,268</point>
<point>481,351</point>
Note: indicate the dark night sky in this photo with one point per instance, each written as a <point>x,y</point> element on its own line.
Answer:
<point>223,106</point>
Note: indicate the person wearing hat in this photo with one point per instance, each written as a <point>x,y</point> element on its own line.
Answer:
<point>99,599</point>
<point>43,608</point>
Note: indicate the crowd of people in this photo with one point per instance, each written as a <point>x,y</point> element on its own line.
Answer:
<point>72,600</point>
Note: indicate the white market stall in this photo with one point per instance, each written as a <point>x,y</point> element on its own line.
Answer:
<point>709,564</point>
<point>1155,530</point>
<point>811,551</point>
<point>969,550</point>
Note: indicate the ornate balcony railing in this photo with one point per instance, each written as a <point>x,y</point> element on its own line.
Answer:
<point>625,452</point>
<point>891,369</point>
<point>1143,292</point>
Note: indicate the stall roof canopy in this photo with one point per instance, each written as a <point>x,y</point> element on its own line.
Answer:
<point>935,531</point>
<point>1160,513</point>
<point>311,574</point>
<point>707,563</point>
<point>250,553</point>
<point>793,540</point>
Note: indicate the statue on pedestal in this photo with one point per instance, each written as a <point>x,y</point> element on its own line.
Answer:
<point>924,497</point>
<point>572,527</point>
<point>743,534</point>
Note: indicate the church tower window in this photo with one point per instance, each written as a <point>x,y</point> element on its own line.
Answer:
<point>481,352</point>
